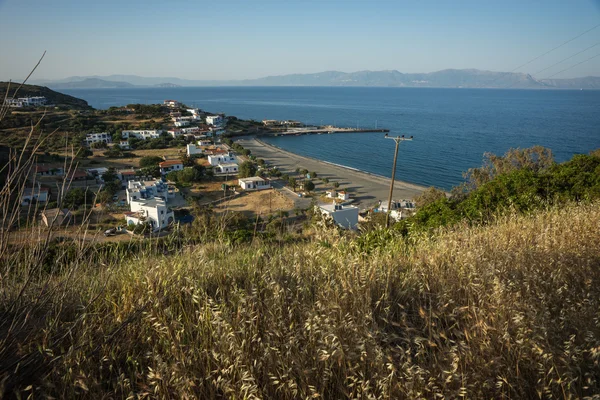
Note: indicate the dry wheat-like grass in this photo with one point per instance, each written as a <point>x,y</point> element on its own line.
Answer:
<point>510,310</point>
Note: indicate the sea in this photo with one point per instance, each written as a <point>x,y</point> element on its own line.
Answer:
<point>452,129</point>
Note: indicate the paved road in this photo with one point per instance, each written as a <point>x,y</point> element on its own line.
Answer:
<point>365,188</point>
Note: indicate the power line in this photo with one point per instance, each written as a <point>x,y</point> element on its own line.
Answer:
<point>557,47</point>
<point>565,59</point>
<point>573,66</point>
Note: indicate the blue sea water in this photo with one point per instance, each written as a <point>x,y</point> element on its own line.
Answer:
<point>452,128</point>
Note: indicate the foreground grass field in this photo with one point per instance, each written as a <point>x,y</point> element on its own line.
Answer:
<point>510,310</point>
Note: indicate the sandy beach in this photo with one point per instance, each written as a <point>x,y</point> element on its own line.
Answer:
<point>365,188</point>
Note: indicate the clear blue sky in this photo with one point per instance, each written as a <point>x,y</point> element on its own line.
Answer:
<point>252,38</point>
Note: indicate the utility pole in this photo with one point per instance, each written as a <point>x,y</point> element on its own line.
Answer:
<point>396,139</point>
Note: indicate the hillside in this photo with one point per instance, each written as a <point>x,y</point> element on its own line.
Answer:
<point>55,98</point>
<point>508,310</point>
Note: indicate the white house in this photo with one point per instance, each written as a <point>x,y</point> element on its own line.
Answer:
<point>181,122</point>
<point>175,132</point>
<point>153,211</point>
<point>204,142</point>
<point>145,190</point>
<point>191,129</point>
<point>172,103</point>
<point>216,159</point>
<point>142,134</point>
<point>193,150</point>
<point>344,216</point>
<point>230,168</point>
<point>254,183</point>
<point>124,145</point>
<point>33,195</point>
<point>343,195</point>
<point>35,101</point>
<point>401,209</point>
<point>214,120</point>
<point>170,165</point>
<point>97,138</point>
<point>42,170</point>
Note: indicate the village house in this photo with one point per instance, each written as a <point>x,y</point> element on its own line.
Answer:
<point>401,209</point>
<point>254,183</point>
<point>92,138</point>
<point>191,129</point>
<point>342,215</point>
<point>42,170</point>
<point>153,211</point>
<point>343,195</point>
<point>221,158</point>
<point>56,217</point>
<point>172,103</point>
<point>35,101</point>
<point>175,132</point>
<point>124,145</point>
<point>34,195</point>
<point>145,190</point>
<point>142,134</point>
<point>170,165</point>
<point>193,150</point>
<point>214,120</point>
<point>181,122</point>
<point>230,168</point>
<point>204,142</point>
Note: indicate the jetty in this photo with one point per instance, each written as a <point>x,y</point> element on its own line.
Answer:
<point>323,130</point>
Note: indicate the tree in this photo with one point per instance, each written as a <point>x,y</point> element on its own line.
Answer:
<point>111,183</point>
<point>77,197</point>
<point>153,171</point>
<point>188,175</point>
<point>293,183</point>
<point>309,186</point>
<point>104,196</point>
<point>313,174</point>
<point>247,169</point>
<point>336,184</point>
<point>187,161</point>
<point>173,176</point>
<point>261,162</point>
<point>429,196</point>
<point>150,161</point>
<point>304,172</point>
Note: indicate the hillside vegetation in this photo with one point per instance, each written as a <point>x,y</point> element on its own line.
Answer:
<point>510,310</point>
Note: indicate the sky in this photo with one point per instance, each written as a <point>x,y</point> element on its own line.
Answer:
<point>246,39</point>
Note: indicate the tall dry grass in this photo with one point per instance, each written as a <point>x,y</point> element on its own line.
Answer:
<point>511,310</point>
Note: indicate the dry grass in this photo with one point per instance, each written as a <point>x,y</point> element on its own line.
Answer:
<point>511,310</point>
<point>263,202</point>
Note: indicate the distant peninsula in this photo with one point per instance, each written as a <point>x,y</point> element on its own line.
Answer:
<point>448,78</point>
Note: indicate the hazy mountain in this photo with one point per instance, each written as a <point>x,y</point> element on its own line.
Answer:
<point>90,83</point>
<point>448,78</point>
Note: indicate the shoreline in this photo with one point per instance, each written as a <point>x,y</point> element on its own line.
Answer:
<point>366,188</point>
<point>359,171</point>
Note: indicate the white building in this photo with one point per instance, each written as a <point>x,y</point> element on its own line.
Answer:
<point>344,216</point>
<point>170,165</point>
<point>191,129</point>
<point>230,168</point>
<point>401,209</point>
<point>91,138</point>
<point>204,142</point>
<point>153,211</point>
<point>254,183</point>
<point>124,144</point>
<point>181,122</point>
<point>193,150</point>
<point>172,103</point>
<point>175,132</point>
<point>215,120</point>
<point>34,195</point>
<point>35,101</point>
<point>145,190</point>
<point>343,195</point>
<point>142,134</point>
<point>216,159</point>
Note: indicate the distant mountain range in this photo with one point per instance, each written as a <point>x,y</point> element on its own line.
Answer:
<point>448,78</point>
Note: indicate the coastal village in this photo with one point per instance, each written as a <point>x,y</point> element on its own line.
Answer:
<point>136,189</point>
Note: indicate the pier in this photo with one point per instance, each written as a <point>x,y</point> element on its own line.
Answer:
<point>324,130</point>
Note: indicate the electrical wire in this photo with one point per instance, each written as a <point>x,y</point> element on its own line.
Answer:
<point>565,59</point>
<point>573,66</point>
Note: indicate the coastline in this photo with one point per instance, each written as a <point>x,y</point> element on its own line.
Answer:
<point>366,188</point>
